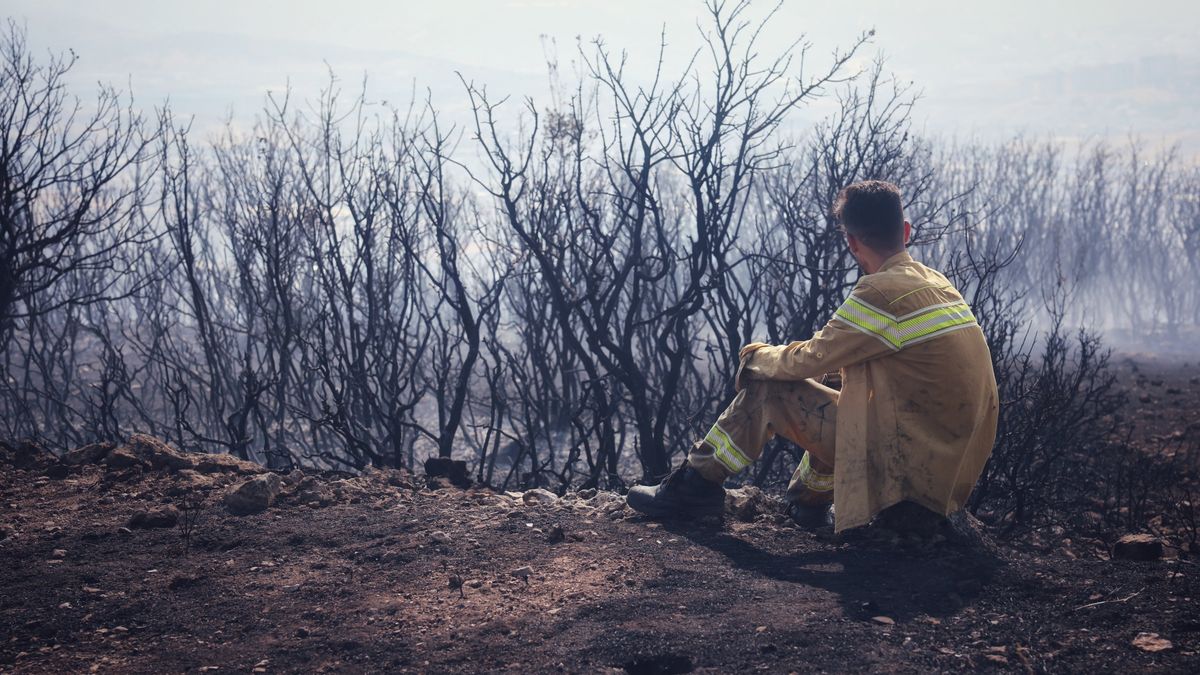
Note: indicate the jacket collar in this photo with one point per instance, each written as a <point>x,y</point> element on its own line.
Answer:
<point>901,257</point>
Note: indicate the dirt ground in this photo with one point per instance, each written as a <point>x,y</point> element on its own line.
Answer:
<point>386,573</point>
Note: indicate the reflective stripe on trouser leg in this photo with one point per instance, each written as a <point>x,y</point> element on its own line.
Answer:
<point>813,479</point>
<point>725,451</point>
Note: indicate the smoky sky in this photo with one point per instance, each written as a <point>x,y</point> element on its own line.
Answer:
<point>1073,69</point>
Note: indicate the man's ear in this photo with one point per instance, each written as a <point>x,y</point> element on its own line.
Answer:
<point>853,243</point>
<point>907,232</point>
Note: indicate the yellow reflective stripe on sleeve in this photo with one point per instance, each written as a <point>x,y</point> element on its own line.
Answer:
<point>725,451</point>
<point>899,332</point>
<point>861,317</point>
<point>812,479</point>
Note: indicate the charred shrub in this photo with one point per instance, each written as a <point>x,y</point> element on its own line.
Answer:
<point>1058,408</point>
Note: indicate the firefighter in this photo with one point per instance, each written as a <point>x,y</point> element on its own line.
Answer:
<point>914,420</point>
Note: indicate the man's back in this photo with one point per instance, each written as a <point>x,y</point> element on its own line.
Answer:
<point>918,421</point>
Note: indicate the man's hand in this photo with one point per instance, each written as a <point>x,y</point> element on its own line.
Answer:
<point>743,356</point>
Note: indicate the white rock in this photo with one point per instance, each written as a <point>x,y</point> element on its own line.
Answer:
<point>540,496</point>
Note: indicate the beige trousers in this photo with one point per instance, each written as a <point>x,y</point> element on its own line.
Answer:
<point>804,412</point>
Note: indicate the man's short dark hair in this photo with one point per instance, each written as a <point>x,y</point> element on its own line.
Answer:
<point>872,211</point>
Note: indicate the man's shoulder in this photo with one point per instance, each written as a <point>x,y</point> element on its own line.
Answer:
<point>906,287</point>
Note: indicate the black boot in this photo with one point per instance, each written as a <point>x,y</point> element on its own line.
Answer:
<point>684,492</point>
<point>811,516</point>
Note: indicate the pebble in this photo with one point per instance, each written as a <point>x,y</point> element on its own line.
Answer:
<point>539,496</point>
<point>1141,547</point>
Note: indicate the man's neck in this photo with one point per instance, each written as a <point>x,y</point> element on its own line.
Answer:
<point>872,261</point>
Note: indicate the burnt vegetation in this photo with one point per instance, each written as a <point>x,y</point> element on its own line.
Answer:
<point>557,295</point>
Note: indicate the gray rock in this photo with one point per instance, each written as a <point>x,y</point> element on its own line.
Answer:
<point>606,499</point>
<point>539,496</point>
<point>166,516</point>
<point>746,503</point>
<point>254,495</point>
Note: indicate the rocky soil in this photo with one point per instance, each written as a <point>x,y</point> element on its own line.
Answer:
<point>138,558</point>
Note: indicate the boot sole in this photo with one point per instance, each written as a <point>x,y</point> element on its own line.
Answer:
<point>679,514</point>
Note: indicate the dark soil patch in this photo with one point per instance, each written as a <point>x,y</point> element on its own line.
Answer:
<point>365,585</point>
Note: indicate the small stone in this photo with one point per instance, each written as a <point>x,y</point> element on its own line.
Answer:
<point>314,492</point>
<point>1140,547</point>
<point>539,496</point>
<point>1151,642</point>
<point>607,500</point>
<point>59,553</point>
<point>124,530</point>
<point>254,495</point>
<point>181,581</point>
<point>556,535</point>
<point>884,620</point>
<point>166,516</point>
<point>746,503</point>
<point>522,573</point>
<point>439,537</point>
<point>997,658</point>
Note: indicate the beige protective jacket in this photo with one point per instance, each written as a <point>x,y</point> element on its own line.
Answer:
<point>917,414</point>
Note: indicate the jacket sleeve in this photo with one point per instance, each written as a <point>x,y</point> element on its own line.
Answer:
<point>858,332</point>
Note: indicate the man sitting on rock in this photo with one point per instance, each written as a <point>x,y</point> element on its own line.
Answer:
<point>916,415</point>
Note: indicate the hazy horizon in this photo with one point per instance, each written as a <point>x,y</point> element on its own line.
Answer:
<point>1069,70</point>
